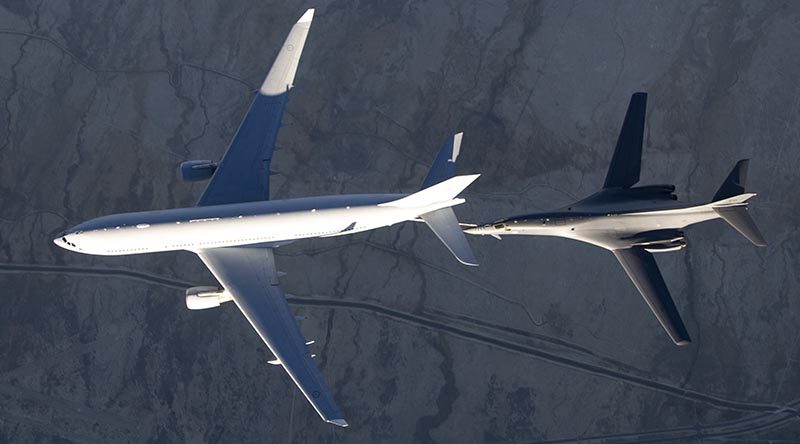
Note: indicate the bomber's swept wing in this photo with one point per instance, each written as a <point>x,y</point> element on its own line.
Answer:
<point>250,276</point>
<point>627,161</point>
<point>643,271</point>
<point>243,174</point>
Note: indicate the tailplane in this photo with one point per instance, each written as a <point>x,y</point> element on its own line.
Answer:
<point>444,192</point>
<point>445,226</point>
<point>437,196</point>
<point>730,203</point>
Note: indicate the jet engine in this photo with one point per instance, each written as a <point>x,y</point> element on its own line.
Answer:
<point>666,247</point>
<point>659,241</point>
<point>201,298</point>
<point>196,170</point>
<point>656,191</point>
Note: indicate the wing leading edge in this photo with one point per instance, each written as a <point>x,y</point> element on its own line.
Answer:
<point>249,274</point>
<point>243,174</point>
<point>642,269</point>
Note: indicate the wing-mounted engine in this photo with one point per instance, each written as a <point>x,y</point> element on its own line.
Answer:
<point>197,170</point>
<point>665,192</point>
<point>201,298</point>
<point>659,241</point>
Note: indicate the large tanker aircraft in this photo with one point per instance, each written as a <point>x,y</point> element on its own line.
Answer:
<point>235,227</point>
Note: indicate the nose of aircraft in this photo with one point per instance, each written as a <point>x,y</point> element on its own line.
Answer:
<point>62,240</point>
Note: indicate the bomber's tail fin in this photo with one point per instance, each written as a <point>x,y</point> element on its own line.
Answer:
<point>735,182</point>
<point>730,203</point>
<point>444,167</point>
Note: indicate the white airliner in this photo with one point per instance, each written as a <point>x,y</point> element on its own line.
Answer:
<point>235,226</point>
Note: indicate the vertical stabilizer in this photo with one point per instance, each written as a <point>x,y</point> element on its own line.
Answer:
<point>730,203</point>
<point>444,167</point>
<point>735,182</point>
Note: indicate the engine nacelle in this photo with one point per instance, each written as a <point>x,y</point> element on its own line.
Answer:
<point>201,298</point>
<point>196,170</point>
<point>666,247</point>
<point>656,191</point>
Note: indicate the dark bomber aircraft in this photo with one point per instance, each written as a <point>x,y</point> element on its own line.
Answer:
<point>633,222</point>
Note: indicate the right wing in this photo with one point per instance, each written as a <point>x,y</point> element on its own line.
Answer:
<point>643,271</point>
<point>627,161</point>
<point>250,276</point>
<point>243,174</point>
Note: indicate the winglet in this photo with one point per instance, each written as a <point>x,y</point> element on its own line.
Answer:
<point>307,16</point>
<point>281,76</point>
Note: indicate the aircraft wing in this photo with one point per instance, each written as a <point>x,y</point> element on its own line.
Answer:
<point>643,271</point>
<point>627,160</point>
<point>250,276</point>
<point>243,174</point>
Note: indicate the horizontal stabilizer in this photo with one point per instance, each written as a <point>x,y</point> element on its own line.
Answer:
<point>444,224</point>
<point>739,218</point>
<point>441,192</point>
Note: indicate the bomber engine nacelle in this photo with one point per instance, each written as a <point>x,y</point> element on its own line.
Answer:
<point>201,298</point>
<point>196,170</point>
<point>657,191</point>
<point>666,247</point>
<point>659,241</point>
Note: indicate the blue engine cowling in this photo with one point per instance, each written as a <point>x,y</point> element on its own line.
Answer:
<point>196,170</point>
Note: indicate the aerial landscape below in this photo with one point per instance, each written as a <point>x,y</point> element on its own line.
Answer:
<point>545,341</point>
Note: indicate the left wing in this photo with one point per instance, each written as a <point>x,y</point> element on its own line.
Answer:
<point>642,269</point>
<point>627,160</point>
<point>243,173</point>
<point>250,276</point>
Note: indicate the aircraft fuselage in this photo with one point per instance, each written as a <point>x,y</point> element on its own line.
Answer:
<point>252,223</point>
<point>607,220</point>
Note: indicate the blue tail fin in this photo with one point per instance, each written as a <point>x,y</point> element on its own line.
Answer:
<point>444,167</point>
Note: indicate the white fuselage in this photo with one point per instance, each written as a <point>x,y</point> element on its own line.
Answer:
<point>268,222</point>
<point>612,230</point>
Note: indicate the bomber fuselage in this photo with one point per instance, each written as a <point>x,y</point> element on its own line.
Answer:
<point>610,219</point>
